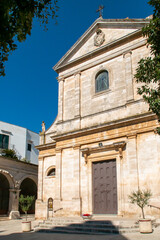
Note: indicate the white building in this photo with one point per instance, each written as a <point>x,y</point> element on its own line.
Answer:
<point>20,139</point>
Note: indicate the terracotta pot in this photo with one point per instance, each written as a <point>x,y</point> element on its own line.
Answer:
<point>145,225</point>
<point>26,226</point>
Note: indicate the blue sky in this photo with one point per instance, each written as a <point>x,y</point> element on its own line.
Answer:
<point>29,91</point>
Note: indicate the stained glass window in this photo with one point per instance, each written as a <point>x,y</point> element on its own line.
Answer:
<point>102,81</point>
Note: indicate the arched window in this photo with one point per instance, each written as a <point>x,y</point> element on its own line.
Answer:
<point>102,81</point>
<point>51,172</point>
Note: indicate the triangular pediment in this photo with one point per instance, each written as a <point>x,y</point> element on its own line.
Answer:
<point>102,33</point>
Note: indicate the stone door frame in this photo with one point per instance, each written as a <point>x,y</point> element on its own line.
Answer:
<point>108,152</point>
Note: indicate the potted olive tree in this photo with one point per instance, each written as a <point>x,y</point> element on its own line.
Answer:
<point>25,203</point>
<point>141,198</point>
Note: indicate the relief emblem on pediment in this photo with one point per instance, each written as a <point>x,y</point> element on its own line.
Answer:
<point>99,38</point>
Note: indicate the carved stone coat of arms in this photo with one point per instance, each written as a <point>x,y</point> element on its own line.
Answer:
<point>99,38</point>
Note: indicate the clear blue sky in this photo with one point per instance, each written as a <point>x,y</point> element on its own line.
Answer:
<point>29,91</point>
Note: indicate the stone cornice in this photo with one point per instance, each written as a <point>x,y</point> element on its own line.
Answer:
<point>101,112</point>
<point>114,124</point>
<point>46,146</point>
<point>101,60</point>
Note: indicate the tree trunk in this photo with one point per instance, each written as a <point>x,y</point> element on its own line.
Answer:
<point>143,213</point>
<point>26,215</point>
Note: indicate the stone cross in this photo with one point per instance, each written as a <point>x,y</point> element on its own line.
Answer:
<point>100,10</point>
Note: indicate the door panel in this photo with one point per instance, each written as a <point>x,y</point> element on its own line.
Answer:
<point>104,187</point>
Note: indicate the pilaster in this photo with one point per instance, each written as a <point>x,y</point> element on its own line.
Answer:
<point>61,99</point>
<point>77,94</point>
<point>40,178</point>
<point>128,76</point>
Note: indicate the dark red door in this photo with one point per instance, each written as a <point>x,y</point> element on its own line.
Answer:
<point>104,187</point>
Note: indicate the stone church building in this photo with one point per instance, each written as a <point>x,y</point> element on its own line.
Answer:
<point>102,144</point>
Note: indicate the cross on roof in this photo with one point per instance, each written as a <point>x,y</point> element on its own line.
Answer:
<point>100,10</point>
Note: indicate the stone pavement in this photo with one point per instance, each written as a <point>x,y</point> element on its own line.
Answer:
<point>11,230</point>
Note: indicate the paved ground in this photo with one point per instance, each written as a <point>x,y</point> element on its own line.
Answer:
<point>11,230</point>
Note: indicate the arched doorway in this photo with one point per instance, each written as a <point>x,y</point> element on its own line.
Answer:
<point>4,194</point>
<point>29,188</point>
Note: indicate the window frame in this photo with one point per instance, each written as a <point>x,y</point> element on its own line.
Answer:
<point>3,143</point>
<point>29,147</point>
<point>96,81</point>
<point>49,170</point>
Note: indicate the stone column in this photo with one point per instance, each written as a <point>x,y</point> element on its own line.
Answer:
<point>128,76</point>
<point>60,99</point>
<point>14,203</point>
<point>77,95</point>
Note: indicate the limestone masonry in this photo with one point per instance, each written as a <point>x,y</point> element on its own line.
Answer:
<point>102,144</point>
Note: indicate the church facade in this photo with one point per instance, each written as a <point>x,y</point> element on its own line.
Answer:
<point>103,143</point>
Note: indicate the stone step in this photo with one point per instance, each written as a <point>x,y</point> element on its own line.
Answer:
<point>87,231</point>
<point>87,227</point>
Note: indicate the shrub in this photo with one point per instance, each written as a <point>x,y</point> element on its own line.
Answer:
<point>25,203</point>
<point>9,153</point>
<point>141,198</point>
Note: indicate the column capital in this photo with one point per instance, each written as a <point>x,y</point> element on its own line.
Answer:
<point>131,135</point>
<point>127,53</point>
<point>76,146</point>
<point>60,78</point>
<point>40,158</point>
<point>77,73</point>
<point>58,150</point>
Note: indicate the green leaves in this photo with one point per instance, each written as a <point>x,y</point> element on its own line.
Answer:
<point>25,203</point>
<point>10,153</point>
<point>16,18</point>
<point>141,198</point>
<point>148,71</point>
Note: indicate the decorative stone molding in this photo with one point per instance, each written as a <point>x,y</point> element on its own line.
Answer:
<point>60,78</point>
<point>99,38</point>
<point>85,153</point>
<point>76,146</point>
<point>127,53</point>
<point>58,150</point>
<point>118,146</point>
<point>46,146</point>
<point>77,73</point>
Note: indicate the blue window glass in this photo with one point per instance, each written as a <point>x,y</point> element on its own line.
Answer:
<point>102,81</point>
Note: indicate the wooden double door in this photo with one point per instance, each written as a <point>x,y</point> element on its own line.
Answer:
<point>104,179</point>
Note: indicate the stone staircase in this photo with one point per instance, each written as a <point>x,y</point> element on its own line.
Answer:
<point>80,226</point>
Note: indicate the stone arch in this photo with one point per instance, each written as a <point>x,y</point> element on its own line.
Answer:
<point>4,194</point>
<point>49,169</point>
<point>33,178</point>
<point>9,177</point>
<point>28,186</point>
<point>99,69</point>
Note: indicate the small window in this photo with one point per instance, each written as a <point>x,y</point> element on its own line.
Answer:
<point>52,172</point>
<point>29,147</point>
<point>101,81</point>
<point>4,141</point>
